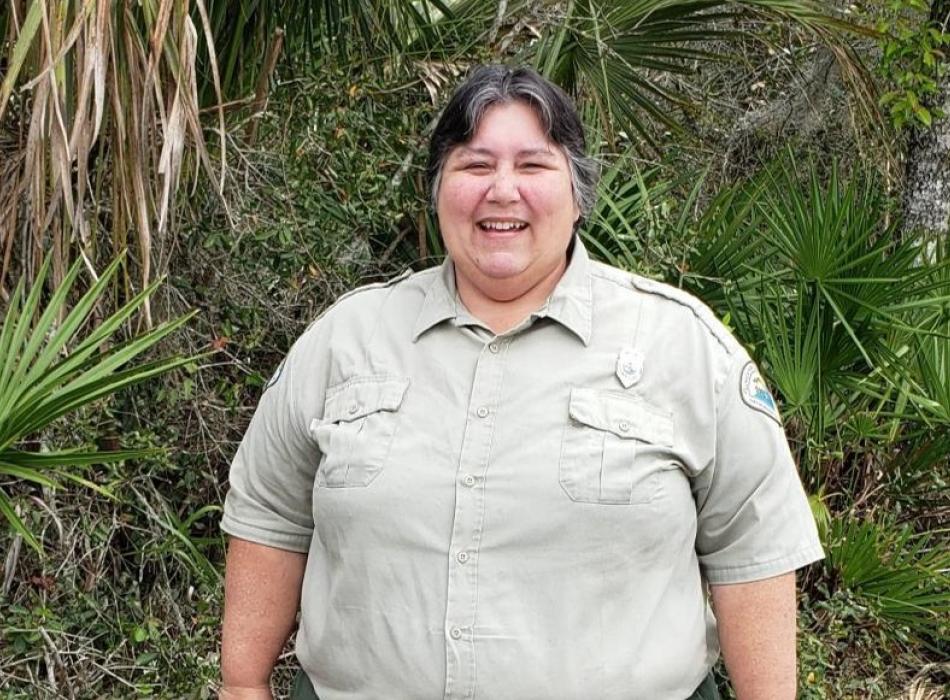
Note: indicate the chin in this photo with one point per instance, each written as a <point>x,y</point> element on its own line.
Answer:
<point>504,268</point>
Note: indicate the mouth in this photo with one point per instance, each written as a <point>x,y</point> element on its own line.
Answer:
<point>502,225</point>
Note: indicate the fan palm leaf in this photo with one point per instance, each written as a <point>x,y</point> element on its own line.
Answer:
<point>902,575</point>
<point>837,306</point>
<point>47,371</point>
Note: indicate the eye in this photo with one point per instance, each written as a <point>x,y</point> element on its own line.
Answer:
<point>532,166</point>
<point>476,166</point>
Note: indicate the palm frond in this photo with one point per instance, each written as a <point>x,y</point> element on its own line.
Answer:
<point>46,374</point>
<point>901,574</point>
<point>623,55</point>
<point>102,101</point>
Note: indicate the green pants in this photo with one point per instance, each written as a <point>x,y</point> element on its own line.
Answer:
<point>303,690</point>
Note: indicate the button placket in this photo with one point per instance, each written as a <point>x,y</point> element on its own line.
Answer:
<point>467,526</point>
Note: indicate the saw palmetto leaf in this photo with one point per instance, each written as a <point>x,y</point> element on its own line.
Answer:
<point>47,371</point>
<point>902,575</point>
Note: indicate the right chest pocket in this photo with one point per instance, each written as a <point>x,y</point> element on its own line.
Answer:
<point>612,447</point>
<point>360,418</point>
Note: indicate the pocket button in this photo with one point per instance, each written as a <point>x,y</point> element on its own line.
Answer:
<point>624,426</point>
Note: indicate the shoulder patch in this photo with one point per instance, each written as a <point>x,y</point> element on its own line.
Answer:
<point>274,377</point>
<point>702,312</point>
<point>755,394</point>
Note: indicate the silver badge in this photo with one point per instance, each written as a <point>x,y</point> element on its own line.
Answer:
<point>629,367</point>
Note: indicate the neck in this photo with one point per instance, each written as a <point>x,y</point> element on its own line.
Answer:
<point>503,310</point>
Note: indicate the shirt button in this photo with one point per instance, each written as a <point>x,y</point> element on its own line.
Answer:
<point>469,480</point>
<point>624,426</point>
<point>455,633</point>
<point>353,407</point>
<point>493,347</point>
<point>482,411</point>
<point>462,557</point>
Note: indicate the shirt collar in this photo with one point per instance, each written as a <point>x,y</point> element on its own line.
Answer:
<point>569,304</point>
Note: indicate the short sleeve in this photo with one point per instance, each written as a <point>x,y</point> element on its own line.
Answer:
<point>272,474</point>
<point>753,518</point>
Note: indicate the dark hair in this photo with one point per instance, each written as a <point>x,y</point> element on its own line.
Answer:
<point>487,86</point>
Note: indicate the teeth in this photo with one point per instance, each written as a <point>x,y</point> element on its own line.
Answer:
<point>502,225</point>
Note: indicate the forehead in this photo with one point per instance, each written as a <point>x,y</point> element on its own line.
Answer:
<point>513,125</point>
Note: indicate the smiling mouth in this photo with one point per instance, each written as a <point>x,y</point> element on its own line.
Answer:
<point>495,226</point>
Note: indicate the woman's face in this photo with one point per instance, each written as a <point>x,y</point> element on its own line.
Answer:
<point>506,206</point>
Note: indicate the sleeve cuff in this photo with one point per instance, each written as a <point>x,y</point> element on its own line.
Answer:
<point>267,537</point>
<point>762,570</point>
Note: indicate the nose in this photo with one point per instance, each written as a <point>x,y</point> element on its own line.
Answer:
<point>504,187</point>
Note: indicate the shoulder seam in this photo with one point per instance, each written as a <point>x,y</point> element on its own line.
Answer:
<point>406,274</point>
<point>702,312</point>
<point>599,273</point>
<point>376,285</point>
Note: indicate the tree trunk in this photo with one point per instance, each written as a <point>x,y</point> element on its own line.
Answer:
<point>927,189</point>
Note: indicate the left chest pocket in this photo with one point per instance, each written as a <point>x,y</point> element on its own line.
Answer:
<point>360,418</point>
<point>613,447</point>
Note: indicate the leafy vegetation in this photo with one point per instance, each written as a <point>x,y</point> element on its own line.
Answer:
<point>46,375</point>
<point>913,58</point>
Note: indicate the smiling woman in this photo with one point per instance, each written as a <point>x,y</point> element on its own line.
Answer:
<point>506,212</point>
<point>522,463</point>
<point>511,181</point>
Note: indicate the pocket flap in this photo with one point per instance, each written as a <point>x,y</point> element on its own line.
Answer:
<point>623,415</point>
<point>363,395</point>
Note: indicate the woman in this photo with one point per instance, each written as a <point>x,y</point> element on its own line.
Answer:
<point>516,475</point>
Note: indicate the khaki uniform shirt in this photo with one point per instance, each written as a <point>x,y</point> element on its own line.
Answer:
<point>525,515</point>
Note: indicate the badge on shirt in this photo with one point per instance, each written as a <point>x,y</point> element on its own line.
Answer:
<point>629,366</point>
<point>755,394</point>
<point>273,380</point>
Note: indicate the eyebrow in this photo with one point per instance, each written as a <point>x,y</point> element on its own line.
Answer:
<point>524,153</point>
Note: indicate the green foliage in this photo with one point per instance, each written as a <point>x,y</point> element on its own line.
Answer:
<point>815,274</point>
<point>903,576</point>
<point>639,213</point>
<point>46,374</point>
<point>244,34</point>
<point>629,59</point>
<point>913,60</point>
<point>845,652</point>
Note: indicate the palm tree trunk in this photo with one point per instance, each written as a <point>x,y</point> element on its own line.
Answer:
<point>927,190</point>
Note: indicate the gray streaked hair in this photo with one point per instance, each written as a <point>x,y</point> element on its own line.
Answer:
<point>490,85</point>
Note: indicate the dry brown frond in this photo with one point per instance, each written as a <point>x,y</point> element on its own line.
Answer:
<point>100,117</point>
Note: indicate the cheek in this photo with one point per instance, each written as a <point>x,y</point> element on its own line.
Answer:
<point>458,198</point>
<point>551,201</point>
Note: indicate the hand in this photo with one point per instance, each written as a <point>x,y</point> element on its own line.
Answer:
<point>232,692</point>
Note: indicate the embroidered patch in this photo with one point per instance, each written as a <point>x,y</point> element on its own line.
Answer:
<point>629,367</point>
<point>273,380</point>
<point>755,394</point>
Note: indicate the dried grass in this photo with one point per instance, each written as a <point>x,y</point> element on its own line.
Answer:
<point>100,121</point>
<point>932,682</point>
